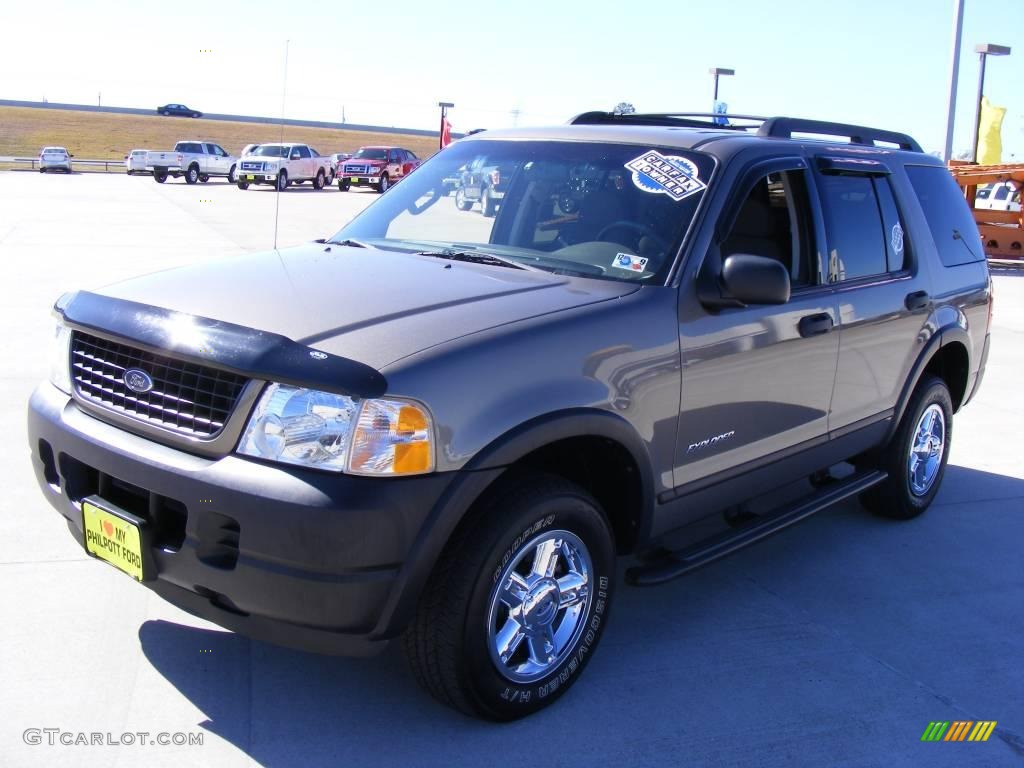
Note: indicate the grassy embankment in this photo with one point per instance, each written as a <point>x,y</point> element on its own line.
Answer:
<point>100,136</point>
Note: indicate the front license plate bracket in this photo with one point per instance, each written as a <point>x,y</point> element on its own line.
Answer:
<point>117,537</point>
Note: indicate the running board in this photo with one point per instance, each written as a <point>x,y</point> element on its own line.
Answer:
<point>677,564</point>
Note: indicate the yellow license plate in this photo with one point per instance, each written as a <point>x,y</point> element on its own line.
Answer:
<point>250,178</point>
<point>110,538</point>
<point>355,179</point>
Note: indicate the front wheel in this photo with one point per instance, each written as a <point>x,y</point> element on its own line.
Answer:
<point>460,200</point>
<point>232,174</point>
<point>344,184</point>
<point>487,204</point>
<point>916,457</point>
<point>282,181</point>
<point>318,182</point>
<point>192,175</point>
<point>243,185</point>
<point>517,603</point>
<point>382,187</point>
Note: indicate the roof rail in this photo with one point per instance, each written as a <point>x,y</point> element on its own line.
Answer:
<point>785,127</point>
<point>676,119</point>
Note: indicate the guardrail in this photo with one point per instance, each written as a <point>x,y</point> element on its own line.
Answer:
<point>107,164</point>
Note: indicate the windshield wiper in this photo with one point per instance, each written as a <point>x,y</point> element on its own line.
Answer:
<point>474,257</point>
<point>350,243</point>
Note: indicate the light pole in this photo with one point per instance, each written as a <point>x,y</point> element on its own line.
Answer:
<point>954,75</point>
<point>988,49</point>
<point>445,106</point>
<point>717,72</point>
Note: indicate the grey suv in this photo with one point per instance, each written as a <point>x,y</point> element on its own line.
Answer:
<point>444,428</point>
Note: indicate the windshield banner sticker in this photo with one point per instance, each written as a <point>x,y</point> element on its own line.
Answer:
<point>630,262</point>
<point>665,175</point>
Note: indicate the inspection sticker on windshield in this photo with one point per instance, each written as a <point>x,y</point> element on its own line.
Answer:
<point>665,175</point>
<point>630,262</point>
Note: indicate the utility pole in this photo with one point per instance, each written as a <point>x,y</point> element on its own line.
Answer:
<point>515,116</point>
<point>954,73</point>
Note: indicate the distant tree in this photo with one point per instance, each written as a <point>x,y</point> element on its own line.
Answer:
<point>624,108</point>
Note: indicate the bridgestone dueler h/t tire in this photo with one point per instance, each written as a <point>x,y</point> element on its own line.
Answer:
<point>448,643</point>
<point>895,498</point>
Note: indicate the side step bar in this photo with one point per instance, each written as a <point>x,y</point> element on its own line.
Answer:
<point>679,563</point>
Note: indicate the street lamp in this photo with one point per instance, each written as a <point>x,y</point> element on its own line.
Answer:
<point>988,49</point>
<point>718,71</point>
<point>445,106</point>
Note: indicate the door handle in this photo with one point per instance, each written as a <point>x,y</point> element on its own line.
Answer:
<point>917,300</point>
<point>813,325</point>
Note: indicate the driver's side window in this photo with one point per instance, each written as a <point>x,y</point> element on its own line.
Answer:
<point>775,221</point>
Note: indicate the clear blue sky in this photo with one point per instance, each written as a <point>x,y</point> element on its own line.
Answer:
<point>876,62</point>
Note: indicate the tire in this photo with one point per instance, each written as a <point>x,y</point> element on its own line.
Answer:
<point>195,114</point>
<point>344,184</point>
<point>204,177</point>
<point>460,200</point>
<point>192,174</point>
<point>384,184</point>
<point>318,182</point>
<point>282,181</point>
<point>42,170</point>
<point>487,204</point>
<point>160,176</point>
<point>330,177</point>
<point>232,174</point>
<point>927,420</point>
<point>452,644</point>
<point>243,185</point>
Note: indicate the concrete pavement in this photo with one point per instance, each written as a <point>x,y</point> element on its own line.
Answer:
<point>832,644</point>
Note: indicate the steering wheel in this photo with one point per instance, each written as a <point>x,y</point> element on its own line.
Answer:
<point>641,229</point>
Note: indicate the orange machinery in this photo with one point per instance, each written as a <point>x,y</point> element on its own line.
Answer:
<point>1001,231</point>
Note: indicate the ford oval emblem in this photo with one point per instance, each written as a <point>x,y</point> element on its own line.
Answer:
<point>138,381</point>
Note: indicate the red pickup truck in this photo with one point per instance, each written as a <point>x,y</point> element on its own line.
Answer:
<point>377,167</point>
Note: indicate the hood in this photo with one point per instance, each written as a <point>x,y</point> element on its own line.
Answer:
<point>367,305</point>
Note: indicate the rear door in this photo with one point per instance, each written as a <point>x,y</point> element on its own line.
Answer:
<point>883,295</point>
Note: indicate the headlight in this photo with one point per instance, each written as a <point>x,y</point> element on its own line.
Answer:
<point>60,358</point>
<point>318,429</point>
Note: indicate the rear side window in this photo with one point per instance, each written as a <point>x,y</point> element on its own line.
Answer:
<point>950,220</point>
<point>856,239</point>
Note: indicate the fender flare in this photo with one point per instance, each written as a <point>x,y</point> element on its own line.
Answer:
<point>942,337</point>
<point>479,474</point>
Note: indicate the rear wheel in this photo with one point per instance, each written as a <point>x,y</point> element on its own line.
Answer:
<point>192,174</point>
<point>382,187</point>
<point>160,176</point>
<point>42,170</point>
<point>518,601</point>
<point>282,181</point>
<point>318,182</point>
<point>917,455</point>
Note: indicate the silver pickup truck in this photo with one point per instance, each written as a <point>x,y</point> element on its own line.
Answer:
<point>195,160</point>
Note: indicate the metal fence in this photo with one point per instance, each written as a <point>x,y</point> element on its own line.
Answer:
<point>108,165</point>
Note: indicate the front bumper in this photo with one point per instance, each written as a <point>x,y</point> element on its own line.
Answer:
<point>360,180</point>
<point>300,558</point>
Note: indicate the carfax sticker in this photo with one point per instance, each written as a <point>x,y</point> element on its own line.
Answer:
<point>630,262</point>
<point>665,175</point>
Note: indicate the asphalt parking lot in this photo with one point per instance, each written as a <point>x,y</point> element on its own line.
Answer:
<point>832,644</point>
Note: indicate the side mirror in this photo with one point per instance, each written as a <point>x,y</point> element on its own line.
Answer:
<point>753,279</point>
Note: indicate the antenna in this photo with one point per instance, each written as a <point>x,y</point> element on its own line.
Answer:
<point>284,91</point>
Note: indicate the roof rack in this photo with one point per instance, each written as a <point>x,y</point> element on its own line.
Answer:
<point>785,127</point>
<point>775,127</point>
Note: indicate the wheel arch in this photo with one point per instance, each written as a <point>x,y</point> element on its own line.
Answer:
<point>621,473</point>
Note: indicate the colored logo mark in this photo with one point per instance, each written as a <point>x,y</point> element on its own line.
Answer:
<point>959,730</point>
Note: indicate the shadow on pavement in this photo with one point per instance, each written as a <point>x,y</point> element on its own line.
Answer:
<point>840,619</point>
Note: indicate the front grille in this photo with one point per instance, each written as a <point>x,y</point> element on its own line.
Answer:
<point>252,166</point>
<point>187,398</point>
<point>355,169</point>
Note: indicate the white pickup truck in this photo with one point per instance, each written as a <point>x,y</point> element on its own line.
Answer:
<point>284,164</point>
<point>195,160</point>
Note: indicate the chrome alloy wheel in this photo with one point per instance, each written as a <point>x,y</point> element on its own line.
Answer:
<point>926,450</point>
<point>538,606</point>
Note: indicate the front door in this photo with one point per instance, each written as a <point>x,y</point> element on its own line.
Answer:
<point>757,380</point>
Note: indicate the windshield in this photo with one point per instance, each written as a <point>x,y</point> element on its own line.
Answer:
<point>610,211</point>
<point>372,153</point>
<point>266,150</point>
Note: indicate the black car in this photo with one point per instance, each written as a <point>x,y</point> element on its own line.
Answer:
<point>442,429</point>
<point>179,110</point>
